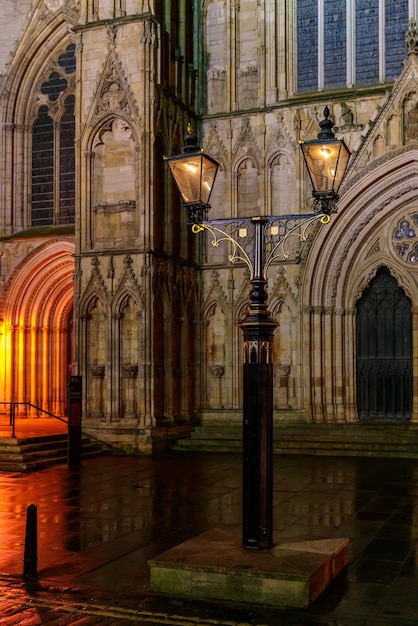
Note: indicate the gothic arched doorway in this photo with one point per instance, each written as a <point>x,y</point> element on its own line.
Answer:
<point>384,350</point>
<point>36,342</point>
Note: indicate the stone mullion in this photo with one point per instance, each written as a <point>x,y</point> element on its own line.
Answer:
<point>184,388</point>
<point>338,369</point>
<point>81,359</point>
<point>382,42</point>
<point>168,362</point>
<point>287,60</point>
<point>59,378</point>
<point>414,417</point>
<point>231,54</point>
<point>262,60</point>
<point>327,364</point>
<point>270,60</point>
<point>21,167</point>
<point>306,397</point>
<point>43,357</point>
<point>234,377</point>
<point>27,377</point>
<point>6,181</point>
<point>84,224</point>
<point>16,372</point>
<point>9,363</point>
<point>146,323</point>
<point>76,319</point>
<point>234,193</point>
<point>84,210</point>
<point>114,367</point>
<point>200,371</point>
<point>145,165</point>
<point>62,375</point>
<point>350,354</point>
<point>108,380</point>
<point>351,43</point>
<point>33,361</point>
<point>55,352</point>
<point>321,44</point>
<point>182,61</point>
<point>57,173</point>
<point>317,381</point>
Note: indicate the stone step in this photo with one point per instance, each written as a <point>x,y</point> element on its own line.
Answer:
<point>22,455</point>
<point>383,440</point>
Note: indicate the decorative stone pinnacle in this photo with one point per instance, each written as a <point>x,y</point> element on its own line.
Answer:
<point>411,37</point>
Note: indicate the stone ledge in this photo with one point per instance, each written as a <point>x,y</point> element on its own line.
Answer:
<point>214,566</point>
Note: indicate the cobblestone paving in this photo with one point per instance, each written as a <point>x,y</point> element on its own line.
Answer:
<point>22,607</point>
<point>33,605</point>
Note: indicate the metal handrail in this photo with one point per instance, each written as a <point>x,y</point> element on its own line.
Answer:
<point>12,419</point>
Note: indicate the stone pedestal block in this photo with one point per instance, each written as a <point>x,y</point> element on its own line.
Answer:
<point>214,566</point>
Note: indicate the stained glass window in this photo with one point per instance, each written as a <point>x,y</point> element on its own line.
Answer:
<point>342,43</point>
<point>53,154</point>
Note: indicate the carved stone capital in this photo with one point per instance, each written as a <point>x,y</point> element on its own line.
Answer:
<point>283,371</point>
<point>129,371</point>
<point>217,371</point>
<point>98,371</point>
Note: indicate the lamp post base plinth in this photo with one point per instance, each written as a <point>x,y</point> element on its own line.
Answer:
<point>258,328</point>
<point>214,566</point>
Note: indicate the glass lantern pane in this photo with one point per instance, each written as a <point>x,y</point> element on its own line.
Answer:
<point>186,172</point>
<point>342,163</point>
<point>209,169</point>
<point>194,175</point>
<point>326,163</point>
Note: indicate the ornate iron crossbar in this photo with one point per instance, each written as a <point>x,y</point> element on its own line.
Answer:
<point>258,241</point>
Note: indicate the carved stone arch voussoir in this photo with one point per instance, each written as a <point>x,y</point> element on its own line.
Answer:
<point>275,155</point>
<point>216,147</point>
<point>128,284</point>
<point>249,157</point>
<point>240,310</point>
<point>122,297</point>
<point>107,124</point>
<point>276,305</point>
<point>65,312</point>
<point>210,308</point>
<point>90,301</point>
<point>93,290</point>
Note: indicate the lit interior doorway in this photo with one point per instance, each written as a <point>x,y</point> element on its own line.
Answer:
<point>36,339</point>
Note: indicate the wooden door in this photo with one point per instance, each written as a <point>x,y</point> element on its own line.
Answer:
<point>384,350</point>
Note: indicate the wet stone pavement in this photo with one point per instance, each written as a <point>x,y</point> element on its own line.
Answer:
<point>99,525</point>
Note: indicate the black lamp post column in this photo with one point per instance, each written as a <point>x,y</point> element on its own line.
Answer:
<point>194,172</point>
<point>258,329</point>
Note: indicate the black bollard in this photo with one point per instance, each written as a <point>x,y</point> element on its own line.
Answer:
<point>74,421</point>
<point>30,559</point>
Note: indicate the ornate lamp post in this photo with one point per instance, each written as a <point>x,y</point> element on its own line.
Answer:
<point>258,241</point>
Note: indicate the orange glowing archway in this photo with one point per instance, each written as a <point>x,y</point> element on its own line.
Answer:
<point>36,319</point>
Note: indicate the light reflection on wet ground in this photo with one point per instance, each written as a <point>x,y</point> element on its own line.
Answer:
<point>99,525</point>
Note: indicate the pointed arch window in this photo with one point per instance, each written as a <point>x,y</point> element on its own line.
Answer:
<point>53,152</point>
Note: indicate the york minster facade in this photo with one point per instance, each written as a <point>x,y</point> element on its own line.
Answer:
<point>100,276</point>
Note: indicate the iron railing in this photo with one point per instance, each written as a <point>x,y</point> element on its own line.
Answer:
<point>12,413</point>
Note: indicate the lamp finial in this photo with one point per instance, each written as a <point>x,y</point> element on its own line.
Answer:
<point>326,126</point>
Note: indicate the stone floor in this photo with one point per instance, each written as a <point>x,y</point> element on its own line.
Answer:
<point>99,525</point>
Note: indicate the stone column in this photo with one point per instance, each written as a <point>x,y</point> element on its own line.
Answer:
<point>414,417</point>
<point>129,373</point>
<point>96,391</point>
<point>217,372</point>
